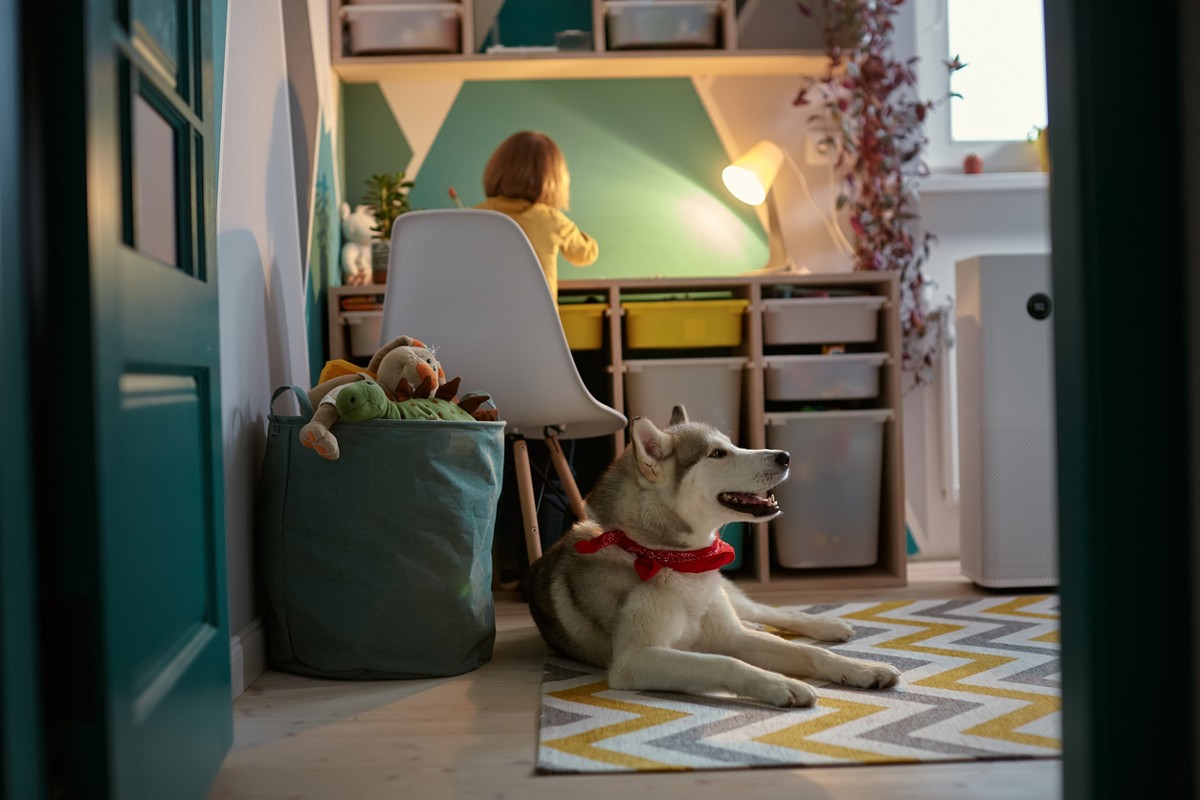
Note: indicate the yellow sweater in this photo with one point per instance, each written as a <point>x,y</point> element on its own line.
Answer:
<point>549,231</point>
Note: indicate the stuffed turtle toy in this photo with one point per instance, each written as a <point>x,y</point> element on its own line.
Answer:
<point>366,400</point>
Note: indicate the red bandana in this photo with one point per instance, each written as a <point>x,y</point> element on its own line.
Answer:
<point>649,562</point>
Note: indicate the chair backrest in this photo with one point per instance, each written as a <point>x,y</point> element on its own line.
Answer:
<point>468,283</point>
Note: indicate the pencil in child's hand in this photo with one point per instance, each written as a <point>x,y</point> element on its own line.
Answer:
<point>454,197</point>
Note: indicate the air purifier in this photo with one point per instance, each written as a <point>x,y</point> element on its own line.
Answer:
<point>1004,344</point>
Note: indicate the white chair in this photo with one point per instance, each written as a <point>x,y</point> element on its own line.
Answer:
<point>467,282</point>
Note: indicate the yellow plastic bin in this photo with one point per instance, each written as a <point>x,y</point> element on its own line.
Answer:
<point>671,324</point>
<point>583,325</point>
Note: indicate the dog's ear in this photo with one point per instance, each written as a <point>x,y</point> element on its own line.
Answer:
<point>678,415</point>
<point>650,447</point>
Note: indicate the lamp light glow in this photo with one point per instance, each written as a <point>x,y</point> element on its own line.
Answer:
<point>749,178</point>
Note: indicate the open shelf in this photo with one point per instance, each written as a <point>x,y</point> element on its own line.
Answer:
<point>759,567</point>
<point>534,66</point>
<point>724,59</point>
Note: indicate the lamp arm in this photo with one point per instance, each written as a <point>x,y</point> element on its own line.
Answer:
<point>835,232</point>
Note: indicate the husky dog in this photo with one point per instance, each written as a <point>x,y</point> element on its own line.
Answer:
<point>634,587</point>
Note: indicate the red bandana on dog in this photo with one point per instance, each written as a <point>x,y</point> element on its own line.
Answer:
<point>649,562</point>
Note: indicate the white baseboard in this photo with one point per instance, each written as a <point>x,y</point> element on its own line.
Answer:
<point>248,655</point>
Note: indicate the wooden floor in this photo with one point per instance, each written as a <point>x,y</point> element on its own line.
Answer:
<point>474,736</point>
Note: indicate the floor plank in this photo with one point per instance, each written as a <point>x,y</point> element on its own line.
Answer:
<point>473,737</point>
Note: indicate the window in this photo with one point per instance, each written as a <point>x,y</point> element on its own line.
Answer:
<point>1003,87</point>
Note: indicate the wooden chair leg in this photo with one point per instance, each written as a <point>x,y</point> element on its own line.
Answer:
<point>564,474</point>
<point>533,538</point>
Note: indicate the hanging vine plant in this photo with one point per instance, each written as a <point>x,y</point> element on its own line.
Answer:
<point>868,100</point>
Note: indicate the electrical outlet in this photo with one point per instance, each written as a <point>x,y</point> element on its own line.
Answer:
<point>816,149</point>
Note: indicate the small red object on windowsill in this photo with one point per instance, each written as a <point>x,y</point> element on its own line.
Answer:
<point>973,164</point>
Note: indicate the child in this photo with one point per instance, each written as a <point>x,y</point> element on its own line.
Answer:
<point>527,179</point>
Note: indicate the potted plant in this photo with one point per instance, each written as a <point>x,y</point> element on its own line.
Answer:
<point>387,197</point>
<point>868,100</point>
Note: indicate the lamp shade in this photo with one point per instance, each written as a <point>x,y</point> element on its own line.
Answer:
<point>749,178</point>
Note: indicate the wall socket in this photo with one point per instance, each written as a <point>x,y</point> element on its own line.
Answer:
<point>816,149</point>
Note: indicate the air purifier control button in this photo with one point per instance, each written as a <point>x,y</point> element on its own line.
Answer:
<point>1039,306</point>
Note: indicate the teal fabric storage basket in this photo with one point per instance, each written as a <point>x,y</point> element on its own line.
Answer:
<point>378,565</point>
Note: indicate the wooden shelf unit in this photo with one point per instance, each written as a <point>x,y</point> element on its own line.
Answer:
<point>339,332</point>
<point>600,63</point>
<point>890,566</point>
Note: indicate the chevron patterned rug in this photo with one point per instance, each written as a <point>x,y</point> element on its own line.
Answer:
<point>980,682</point>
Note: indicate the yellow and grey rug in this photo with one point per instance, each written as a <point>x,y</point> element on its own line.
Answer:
<point>980,682</point>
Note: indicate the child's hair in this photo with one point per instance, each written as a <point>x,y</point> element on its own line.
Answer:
<point>530,166</point>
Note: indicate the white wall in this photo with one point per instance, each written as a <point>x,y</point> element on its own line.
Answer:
<point>746,109</point>
<point>967,224</point>
<point>263,340</point>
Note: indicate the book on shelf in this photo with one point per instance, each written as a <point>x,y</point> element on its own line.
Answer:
<point>363,302</point>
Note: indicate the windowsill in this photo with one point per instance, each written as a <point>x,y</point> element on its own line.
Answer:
<point>983,182</point>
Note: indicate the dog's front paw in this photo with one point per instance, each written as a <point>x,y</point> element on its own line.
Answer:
<point>786,693</point>
<point>828,630</point>
<point>871,675</point>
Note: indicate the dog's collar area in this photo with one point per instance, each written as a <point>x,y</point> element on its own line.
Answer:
<point>649,562</point>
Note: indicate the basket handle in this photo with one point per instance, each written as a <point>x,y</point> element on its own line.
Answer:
<point>301,398</point>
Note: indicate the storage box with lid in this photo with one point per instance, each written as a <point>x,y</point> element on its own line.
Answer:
<point>364,328</point>
<point>397,28</point>
<point>820,320</point>
<point>675,324</point>
<point>840,376</point>
<point>662,24</point>
<point>583,324</point>
<point>709,388</point>
<point>831,501</point>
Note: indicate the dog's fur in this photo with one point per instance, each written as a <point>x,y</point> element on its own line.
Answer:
<point>683,632</point>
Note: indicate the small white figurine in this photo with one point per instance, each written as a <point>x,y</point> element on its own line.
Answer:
<point>356,252</point>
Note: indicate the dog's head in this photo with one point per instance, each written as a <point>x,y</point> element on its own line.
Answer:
<point>677,485</point>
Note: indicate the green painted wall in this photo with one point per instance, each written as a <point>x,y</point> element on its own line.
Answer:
<point>324,249</point>
<point>534,22</point>
<point>371,139</point>
<point>645,170</point>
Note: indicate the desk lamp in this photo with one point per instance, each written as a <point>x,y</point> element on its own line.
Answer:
<point>750,178</point>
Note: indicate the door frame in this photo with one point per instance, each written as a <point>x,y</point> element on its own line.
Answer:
<point>20,724</point>
<point>1126,392</point>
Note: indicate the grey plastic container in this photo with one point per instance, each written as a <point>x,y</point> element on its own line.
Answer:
<point>394,28</point>
<point>844,376</point>
<point>709,388</point>
<point>662,24</point>
<point>821,320</point>
<point>831,501</point>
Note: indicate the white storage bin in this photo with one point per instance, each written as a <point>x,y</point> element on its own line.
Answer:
<point>844,376</point>
<point>831,500</point>
<point>820,320</point>
<point>660,24</point>
<point>365,328</point>
<point>709,388</point>
<point>378,29</point>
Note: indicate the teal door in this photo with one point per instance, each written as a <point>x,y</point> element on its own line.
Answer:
<point>129,472</point>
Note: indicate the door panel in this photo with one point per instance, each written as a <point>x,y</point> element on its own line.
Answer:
<point>135,542</point>
<point>162,522</point>
<point>156,212</point>
<point>168,584</point>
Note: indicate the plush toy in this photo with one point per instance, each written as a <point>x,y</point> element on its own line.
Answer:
<point>356,252</point>
<point>404,369</point>
<point>365,400</point>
